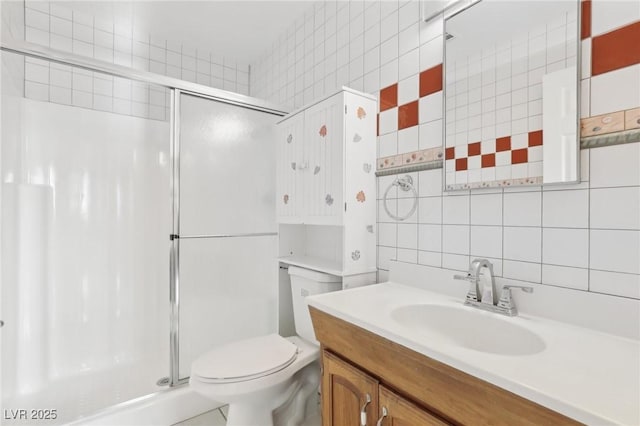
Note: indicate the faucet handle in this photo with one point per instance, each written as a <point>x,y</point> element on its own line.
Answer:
<point>506,301</point>
<point>467,277</point>
<point>472,295</point>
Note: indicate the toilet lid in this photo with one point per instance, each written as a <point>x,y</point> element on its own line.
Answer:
<point>245,359</point>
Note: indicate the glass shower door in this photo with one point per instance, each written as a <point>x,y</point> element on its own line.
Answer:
<point>227,246</point>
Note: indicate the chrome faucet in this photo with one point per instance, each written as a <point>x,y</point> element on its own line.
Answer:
<point>486,299</point>
<point>473,276</point>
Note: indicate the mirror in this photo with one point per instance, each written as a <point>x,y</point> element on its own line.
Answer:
<point>511,98</point>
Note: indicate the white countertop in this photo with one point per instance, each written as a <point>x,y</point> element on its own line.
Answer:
<point>590,376</point>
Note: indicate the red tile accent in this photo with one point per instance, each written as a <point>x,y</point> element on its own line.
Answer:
<point>389,97</point>
<point>488,160</point>
<point>431,80</point>
<point>585,30</point>
<point>461,164</point>
<point>519,156</point>
<point>503,144</point>
<point>616,49</point>
<point>535,138</point>
<point>408,115</point>
<point>450,153</point>
<point>473,149</point>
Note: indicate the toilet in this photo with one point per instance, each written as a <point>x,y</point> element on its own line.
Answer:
<point>268,380</point>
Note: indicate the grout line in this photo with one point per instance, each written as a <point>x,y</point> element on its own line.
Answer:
<point>589,225</point>
<point>541,232</point>
<point>222,413</point>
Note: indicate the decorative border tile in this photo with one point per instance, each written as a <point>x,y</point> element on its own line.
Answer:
<point>618,138</point>
<point>410,158</point>
<point>496,183</point>
<point>610,123</point>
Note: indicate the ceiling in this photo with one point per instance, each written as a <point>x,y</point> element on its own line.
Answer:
<point>240,29</point>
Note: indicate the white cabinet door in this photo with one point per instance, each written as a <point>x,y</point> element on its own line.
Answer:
<point>324,153</point>
<point>290,169</point>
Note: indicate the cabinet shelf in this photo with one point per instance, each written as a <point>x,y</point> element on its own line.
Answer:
<point>328,266</point>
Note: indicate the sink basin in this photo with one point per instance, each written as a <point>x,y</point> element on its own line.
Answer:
<point>476,330</point>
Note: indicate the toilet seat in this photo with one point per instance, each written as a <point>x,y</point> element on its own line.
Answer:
<point>245,360</point>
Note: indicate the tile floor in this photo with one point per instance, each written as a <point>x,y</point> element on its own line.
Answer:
<point>218,417</point>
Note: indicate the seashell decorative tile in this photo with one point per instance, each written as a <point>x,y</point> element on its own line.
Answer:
<point>316,170</point>
<point>357,138</point>
<point>328,199</point>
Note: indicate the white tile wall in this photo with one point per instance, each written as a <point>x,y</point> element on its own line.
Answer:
<point>486,241</point>
<point>522,243</point>
<point>615,91</point>
<point>615,208</point>
<point>615,250</point>
<point>615,283</point>
<point>56,26</point>
<point>523,208</point>
<point>584,237</point>
<point>615,166</point>
<point>565,276</point>
<point>486,209</point>
<point>607,18</point>
<point>524,271</point>
<point>562,246</point>
<point>568,209</point>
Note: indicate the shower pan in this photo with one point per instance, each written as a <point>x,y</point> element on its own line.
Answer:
<point>129,220</point>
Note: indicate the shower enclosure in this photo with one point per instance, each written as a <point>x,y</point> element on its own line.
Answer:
<point>137,230</point>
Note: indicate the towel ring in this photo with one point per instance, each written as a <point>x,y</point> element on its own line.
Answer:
<point>405,184</point>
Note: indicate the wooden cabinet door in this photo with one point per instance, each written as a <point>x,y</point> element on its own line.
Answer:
<point>346,391</point>
<point>290,169</point>
<point>395,410</point>
<point>324,154</point>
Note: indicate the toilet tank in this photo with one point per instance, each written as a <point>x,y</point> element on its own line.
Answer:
<point>307,282</point>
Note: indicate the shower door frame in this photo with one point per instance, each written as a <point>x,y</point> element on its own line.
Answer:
<point>176,88</point>
<point>175,237</point>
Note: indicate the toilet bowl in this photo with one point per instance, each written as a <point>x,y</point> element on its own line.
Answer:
<point>268,375</point>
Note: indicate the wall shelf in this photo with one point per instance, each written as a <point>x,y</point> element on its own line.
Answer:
<point>328,266</point>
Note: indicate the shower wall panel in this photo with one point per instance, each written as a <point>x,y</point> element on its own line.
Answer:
<point>86,214</point>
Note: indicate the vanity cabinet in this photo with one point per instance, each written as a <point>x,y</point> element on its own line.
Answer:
<point>325,161</point>
<point>414,389</point>
<point>351,396</point>
<point>348,394</point>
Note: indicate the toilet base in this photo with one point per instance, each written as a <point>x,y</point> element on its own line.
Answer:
<point>288,408</point>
